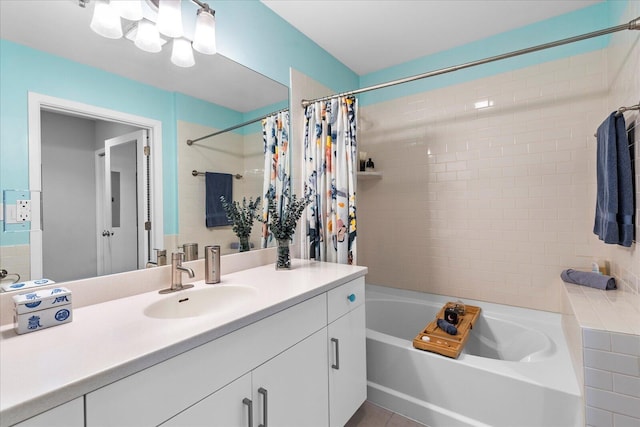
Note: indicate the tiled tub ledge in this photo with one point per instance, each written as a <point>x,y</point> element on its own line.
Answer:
<point>603,331</point>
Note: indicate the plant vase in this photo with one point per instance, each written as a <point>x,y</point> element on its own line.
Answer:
<point>284,255</point>
<point>244,244</point>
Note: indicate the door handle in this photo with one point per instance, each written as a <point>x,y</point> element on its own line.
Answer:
<point>337,343</point>
<point>263,392</point>
<point>249,404</point>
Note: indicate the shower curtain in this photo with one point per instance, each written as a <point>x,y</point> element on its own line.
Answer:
<point>277,178</point>
<point>330,167</point>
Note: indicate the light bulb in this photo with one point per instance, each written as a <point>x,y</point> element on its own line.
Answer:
<point>148,37</point>
<point>106,21</point>
<point>170,18</point>
<point>204,39</point>
<point>182,54</point>
<point>128,9</point>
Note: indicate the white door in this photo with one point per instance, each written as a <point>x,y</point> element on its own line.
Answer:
<point>122,200</point>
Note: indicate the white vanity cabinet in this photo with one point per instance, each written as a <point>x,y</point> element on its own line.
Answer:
<point>70,414</point>
<point>265,360</point>
<point>347,351</point>
<point>156,394</point>
<point>229,406</point>
<point>288,390</point>
<point>291,389</point>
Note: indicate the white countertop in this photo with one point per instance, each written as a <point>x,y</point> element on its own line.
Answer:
<point>612,311</point>
<point>108,341</point>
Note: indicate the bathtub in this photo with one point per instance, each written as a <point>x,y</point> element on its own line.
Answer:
<point>514,371</point>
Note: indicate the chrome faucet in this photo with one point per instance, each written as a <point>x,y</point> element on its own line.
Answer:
<point>176,274</point>
<point>161,259</point>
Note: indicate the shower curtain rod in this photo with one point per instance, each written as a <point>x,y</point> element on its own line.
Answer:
<point>191,141</point>
<point>631,25</point>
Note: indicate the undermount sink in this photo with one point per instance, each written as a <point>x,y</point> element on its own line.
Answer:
<point>199,302</point>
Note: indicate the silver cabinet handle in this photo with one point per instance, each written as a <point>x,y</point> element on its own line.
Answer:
<point>249,404</point>
<point>263,392</point>
<point>337,364</point>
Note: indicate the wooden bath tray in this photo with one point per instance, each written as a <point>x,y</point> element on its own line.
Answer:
<point>441,342</point>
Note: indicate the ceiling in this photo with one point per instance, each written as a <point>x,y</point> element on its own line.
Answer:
<point>368,36</point>
<point>377,34</point>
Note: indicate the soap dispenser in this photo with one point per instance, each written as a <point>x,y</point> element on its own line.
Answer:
<point>369,165</point>
<point>212,264</point>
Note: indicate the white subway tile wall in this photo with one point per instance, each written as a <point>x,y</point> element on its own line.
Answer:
<point>493,202</point>
<point>15,259</point>
<point>612,378</point>
<point>624,80</point>
<point>514,177</point>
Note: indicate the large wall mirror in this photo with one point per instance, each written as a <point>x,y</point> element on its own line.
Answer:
<point>184,103</point>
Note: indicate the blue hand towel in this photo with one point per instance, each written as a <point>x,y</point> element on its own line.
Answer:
<point>615,201</point>
<point>447,327</point>
<point>217,184</point>
<point>587,278</point>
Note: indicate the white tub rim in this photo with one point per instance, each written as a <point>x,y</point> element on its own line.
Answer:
<point>528,371</point>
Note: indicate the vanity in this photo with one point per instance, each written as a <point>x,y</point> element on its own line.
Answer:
<point>277,348</point>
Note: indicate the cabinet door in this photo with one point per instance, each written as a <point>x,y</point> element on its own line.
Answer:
<point>348,371</point>
<point>291,389</point>
<point>71,414</point>
<point>226,407</point>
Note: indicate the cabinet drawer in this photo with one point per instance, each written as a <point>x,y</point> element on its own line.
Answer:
<point>155,394</point>
<point>345,298</point>
<point>70,414</point>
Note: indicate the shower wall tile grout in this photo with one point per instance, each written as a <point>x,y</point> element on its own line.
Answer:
<point>517,177</point>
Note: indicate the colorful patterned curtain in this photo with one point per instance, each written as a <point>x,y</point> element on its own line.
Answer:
<point>330,167</point>
<point>277,178</point>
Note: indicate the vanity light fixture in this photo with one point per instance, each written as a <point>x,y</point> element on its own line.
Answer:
<point>170,18</point>
<point>204,38</point>
<point>149,30</point>
<point>128,9</point>
<point>146,36</point>
<point>106,21</point>
<point>182,54</point>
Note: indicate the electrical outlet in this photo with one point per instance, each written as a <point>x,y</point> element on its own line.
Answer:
<point>23,210</point>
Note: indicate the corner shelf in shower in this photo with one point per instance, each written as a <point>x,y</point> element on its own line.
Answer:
<point>369,175</point>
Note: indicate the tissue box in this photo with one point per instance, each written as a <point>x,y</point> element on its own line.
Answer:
<point>42,299</point>
<point>36,320</point>
<point>27,284</point>
<point>42,309</point>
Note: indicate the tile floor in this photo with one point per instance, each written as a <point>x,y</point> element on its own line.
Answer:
<point>370,415</point>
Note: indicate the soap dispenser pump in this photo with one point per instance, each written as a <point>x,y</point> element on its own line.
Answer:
<point>369,166</point>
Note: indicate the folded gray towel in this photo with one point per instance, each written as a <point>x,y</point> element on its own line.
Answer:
<point>587,278</point>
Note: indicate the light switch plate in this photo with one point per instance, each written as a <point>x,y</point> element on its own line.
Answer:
<point>10,214</point>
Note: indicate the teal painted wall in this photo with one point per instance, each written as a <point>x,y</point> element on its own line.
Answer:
<point>24,70</point>
<point>253,35</point>
<point>242,28</point>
